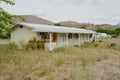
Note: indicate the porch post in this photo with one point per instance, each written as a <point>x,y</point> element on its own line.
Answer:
<point>67,39</point>
<point>50,34</point>
<point>88,37</point>
<point>83,38</point>
<point>79,39</point>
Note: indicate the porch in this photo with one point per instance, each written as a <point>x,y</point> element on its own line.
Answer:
<point>65,39</point>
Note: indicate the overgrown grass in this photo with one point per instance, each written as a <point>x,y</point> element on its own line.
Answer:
<point>59,50</point>
<point>64,63</point>
<point>59,61</point>
<point>45,70</point>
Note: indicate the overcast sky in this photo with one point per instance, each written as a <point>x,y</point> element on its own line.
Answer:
<point>83,11</point>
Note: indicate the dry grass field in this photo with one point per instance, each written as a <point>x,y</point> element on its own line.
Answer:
<point>92,61</point>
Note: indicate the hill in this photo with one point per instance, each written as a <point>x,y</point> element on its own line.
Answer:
<point>34,19</point>
<point>38,20</point>
<point>105,26</point>
<point>86,25</point>
<point>70,23</point>
<point>77,24</point>
<point>118,25</point>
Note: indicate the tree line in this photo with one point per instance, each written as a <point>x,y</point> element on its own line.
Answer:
<point>110,32</point>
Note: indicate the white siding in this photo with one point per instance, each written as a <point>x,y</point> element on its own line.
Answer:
<point>22,35</point>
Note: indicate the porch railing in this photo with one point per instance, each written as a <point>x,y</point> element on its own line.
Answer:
<point>59,44</point>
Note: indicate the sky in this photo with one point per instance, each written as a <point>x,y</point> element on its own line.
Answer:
<point>83,11</point>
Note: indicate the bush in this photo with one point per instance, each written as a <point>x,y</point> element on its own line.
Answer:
<point>12,46</point>
<point>100,41</point>
<point>57,24</point>
<point>96,45</point>
<point>33,44</point>
<point>89,44</point>
<point>59,61</point>
<point>107,31</point>
<point>59,49</point>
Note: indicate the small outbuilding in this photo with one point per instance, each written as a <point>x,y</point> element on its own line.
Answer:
<point>50,36</point>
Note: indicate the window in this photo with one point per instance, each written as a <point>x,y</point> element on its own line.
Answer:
<point>76,35</point>
<point>44,35</point>
<point>90,35</point>
<point>70,35</point>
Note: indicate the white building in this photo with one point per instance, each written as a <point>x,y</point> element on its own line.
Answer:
<point>51,36</point>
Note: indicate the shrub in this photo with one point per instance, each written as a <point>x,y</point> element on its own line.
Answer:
<point>90,44</point>
<point>57,24</point>
<point>12,46</point>
<point>59,49</point>
<point>96,45</point>
<point>23,45</point>
<point>100,40</point>
<point>106,31</point>
<point>87,44</point>
<point>59,61</point>
<point>33,44</point>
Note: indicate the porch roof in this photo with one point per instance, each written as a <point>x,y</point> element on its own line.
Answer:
<point>57,29</point>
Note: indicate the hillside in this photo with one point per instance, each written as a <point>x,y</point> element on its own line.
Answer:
<point>78,25</point>
<point>118,25</point>
<point>86,25</point>
<point>105,26</point>
<point>38,20</point>
<point>34,19</point>
<point>70,23</point>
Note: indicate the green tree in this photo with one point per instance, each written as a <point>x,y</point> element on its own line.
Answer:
<point>117,30</point>
<point>83,27</point>
<point>6,20</point>
<point>57,24</point>
<point>106,31</point>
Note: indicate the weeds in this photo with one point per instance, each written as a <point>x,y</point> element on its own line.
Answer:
<point>85,62</point>
<point>76,63</point>
<point>59,61</point>
<point>90,45</point>
<point>12,46</point>
<point>27,78</point>
<point>45,70</point>
<point>59,50</point>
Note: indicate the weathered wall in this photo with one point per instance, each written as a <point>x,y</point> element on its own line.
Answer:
<point>22,35</point>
